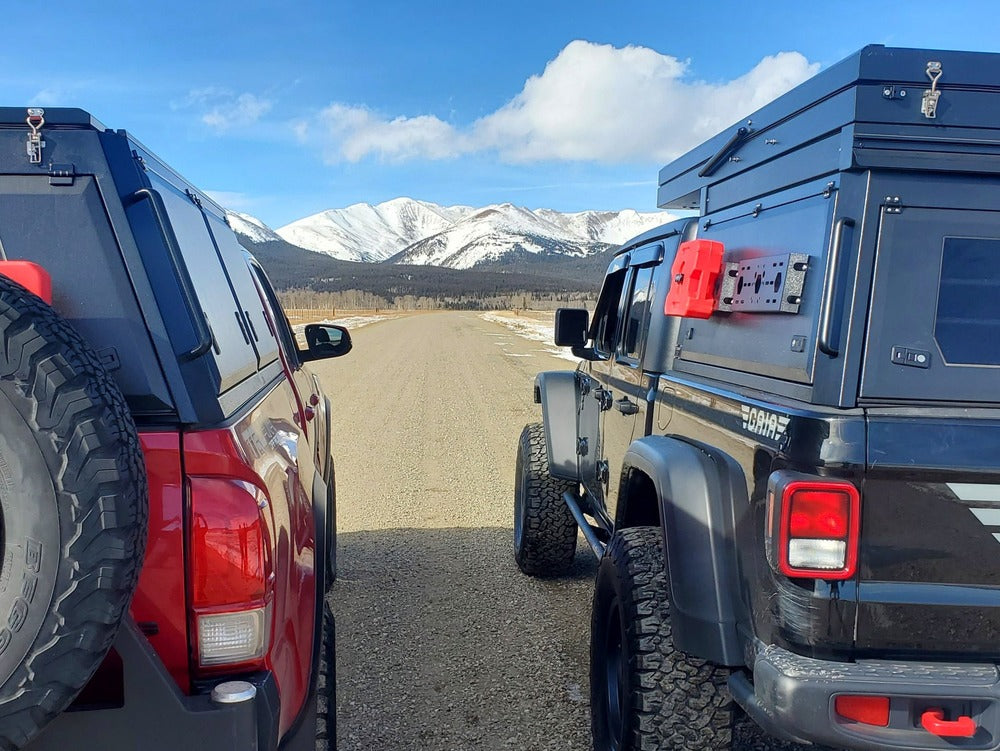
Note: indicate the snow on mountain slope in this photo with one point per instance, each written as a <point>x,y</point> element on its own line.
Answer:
<point>405,230</point>
<point>492,235</point>
<point>363,232</point>
<point>251,226</point>
<point>613,227</point>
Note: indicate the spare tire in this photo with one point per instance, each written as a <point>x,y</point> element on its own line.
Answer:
<point>73,508</point>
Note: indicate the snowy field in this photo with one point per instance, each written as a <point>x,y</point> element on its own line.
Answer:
<point>532,329</point>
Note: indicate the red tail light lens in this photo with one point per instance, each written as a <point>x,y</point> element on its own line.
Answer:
<point>231,571</point>
<point>228,565</point>
<point>817,524</point>
<point>822,513</point>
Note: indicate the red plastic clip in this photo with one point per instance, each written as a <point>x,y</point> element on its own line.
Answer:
<point>695,270</point>
<point>29,275</point>
<point>934,722</point>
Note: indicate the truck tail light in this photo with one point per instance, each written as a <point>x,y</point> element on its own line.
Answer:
<point>813,526</point>
<point>231,573</point>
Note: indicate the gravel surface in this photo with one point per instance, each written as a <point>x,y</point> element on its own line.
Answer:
<point>441,642</point>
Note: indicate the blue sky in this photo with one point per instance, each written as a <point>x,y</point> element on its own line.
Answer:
<point>286,109</point>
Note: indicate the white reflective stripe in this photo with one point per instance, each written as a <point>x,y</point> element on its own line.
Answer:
<point>971,491</point>
<point>988,516</point>
<point>997,536</point>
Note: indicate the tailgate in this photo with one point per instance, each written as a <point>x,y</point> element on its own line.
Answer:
<point>929,573</point>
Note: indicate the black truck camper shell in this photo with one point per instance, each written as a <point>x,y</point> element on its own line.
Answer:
<point>883,171</point>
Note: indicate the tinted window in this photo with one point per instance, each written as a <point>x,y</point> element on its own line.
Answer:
<point>967,327</point>
<point>238,272</point>
<point>235,357</point>
<point>277,317</point>
<point>638,313</point>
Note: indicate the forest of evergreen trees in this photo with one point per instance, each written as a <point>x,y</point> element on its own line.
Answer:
<point>313,280</point>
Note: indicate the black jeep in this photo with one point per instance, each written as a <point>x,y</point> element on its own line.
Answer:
<point>783,440</point>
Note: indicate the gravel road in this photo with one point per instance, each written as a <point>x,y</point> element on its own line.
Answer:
<point>441,642</point>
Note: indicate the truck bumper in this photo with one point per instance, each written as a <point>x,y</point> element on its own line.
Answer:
<point>794,698</point>
<point>156,716</point>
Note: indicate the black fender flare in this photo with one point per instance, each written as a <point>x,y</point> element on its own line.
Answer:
<point>700,491</point>
<point>556,392</point>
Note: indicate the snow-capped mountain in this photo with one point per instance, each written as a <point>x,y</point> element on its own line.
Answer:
<point>251,227</point>
<point>418,232</point>
<point>496,234</point>
<point>363,232</point>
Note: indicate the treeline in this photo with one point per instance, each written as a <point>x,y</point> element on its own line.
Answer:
<point>366,286</point>
<point>306,298</point>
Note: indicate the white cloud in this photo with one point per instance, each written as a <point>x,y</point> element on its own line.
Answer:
<point>591,103</point>
<point>357,132</point>
<point>222,109</point>
<point>244,110</point>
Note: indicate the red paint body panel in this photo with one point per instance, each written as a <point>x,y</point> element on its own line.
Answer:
<point>263,449</point>
<point>161,596</point>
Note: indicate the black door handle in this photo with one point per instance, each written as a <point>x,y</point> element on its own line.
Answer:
<point>626,407</point>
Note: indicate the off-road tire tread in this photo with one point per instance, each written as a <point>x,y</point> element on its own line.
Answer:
<point>678,701</point>
<point>548,542</point>
<point>326,686</point>
<point>88,438</point>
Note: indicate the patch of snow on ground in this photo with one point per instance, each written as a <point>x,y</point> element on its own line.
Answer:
<point>350,322</point>
<point>529,328</point>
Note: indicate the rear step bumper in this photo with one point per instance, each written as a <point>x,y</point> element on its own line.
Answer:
<point>792,697</point>
<point>156,716</point>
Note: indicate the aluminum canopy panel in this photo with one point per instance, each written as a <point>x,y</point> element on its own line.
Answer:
<point>875,95</point>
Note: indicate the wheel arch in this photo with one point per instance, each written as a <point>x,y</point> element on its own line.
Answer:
<point>698,492</point>
<point>556,392</point>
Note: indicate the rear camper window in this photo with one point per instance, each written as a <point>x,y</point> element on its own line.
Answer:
<point>967,327</point>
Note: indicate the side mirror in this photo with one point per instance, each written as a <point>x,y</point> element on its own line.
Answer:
<point>571,327</point>
<point>325,341</point>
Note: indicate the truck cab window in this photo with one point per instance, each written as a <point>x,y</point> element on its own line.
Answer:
<point>638,314</point>
<point>604,330</point>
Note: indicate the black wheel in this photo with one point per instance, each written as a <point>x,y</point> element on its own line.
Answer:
<point>73,508</point>
<point>645,694</point>
<point>544,527</point>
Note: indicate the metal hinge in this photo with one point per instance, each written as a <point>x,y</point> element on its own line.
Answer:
<point>928,106</point>
<point>893,205</point>
<point>582,447</point>
<point>61,174</point>
<point>603,397</point>
<point>603,472</point>
<point>195,198</point>
<point>584,383</point>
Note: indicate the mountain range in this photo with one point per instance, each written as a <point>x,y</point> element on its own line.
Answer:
<point>417,233</point>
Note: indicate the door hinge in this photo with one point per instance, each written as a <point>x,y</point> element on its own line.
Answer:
<point>584,383</point>
<point>893,205</point>
<point>582,447</point>
<point>61,174</point>
<point>603,471</point>
<point>603,397</point>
